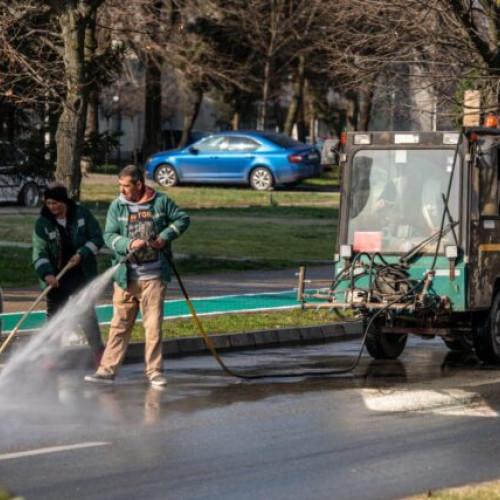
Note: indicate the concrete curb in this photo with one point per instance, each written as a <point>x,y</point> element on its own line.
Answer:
<point>193,346</point>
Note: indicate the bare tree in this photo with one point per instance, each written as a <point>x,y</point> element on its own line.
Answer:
<point>75,19</point>
<point>435,48</point>
<point>50,59</point>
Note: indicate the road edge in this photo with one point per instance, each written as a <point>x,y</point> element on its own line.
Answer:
<point>194,346</point>
<point>280,337</point>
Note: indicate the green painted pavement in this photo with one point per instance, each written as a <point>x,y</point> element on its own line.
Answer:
<point>177,308</point>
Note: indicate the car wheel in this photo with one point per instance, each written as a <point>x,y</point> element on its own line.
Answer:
<point>165,175</point>
<point>261,179</point>
<point>29,195</point>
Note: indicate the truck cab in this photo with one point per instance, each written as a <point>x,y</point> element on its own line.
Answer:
<point>418,248</point>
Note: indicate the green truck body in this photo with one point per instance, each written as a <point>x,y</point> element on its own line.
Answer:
<point>418,248</point>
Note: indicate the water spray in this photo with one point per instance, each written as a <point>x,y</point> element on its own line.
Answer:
<point>64,270</point>
<point>7,341</point>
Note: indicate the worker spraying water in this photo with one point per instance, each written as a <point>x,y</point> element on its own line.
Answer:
<point>67,236</point>
<point>144,222</point>
<point>140,225</point>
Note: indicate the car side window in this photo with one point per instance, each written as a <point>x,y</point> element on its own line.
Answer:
<point>210,144</point>
<point>224,145</point>
<point>242,144</point>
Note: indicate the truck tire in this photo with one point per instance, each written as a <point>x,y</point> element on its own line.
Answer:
<point>384,345</point>
<point>487,335</point>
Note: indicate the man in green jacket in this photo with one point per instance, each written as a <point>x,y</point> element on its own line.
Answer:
<point>144,222</point>
<point>68,232</point>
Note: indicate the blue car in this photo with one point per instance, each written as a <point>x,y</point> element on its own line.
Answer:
<point>261,159</point>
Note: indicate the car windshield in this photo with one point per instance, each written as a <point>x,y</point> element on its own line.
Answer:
<point>396,198</point>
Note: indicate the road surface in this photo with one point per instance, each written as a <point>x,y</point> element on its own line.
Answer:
<point>384,431</point>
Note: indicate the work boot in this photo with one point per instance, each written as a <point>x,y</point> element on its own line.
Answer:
<point>100,379</point>
<point>158,381</point>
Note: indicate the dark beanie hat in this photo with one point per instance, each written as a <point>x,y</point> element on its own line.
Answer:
<point>56,191</point>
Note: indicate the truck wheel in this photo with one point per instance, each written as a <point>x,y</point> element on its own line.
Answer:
<point>462,342</point>
<point>384,345</point>
<point>487,335</point>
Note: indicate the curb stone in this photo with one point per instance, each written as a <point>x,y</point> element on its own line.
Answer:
<point>193,346</point>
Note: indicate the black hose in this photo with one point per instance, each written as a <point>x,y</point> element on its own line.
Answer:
<point>246,376</point>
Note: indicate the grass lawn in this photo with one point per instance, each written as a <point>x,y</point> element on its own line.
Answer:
<point>231,323</point>
<point>315,192</point>
<point>231,229</point>
<point>483,491</point>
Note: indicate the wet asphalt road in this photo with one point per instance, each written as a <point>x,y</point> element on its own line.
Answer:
<point>384,431</point>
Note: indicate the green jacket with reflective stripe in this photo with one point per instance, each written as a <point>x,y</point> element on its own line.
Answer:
<point>169,223</point>
<point>86,236</point>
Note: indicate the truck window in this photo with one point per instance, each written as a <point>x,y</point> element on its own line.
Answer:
<point>398,194</point>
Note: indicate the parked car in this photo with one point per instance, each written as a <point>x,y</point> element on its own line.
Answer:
<point>17,183</point>
<point>261,159</point>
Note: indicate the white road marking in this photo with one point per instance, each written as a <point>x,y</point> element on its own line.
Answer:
<point>51,449</point>
<point>450,401</point>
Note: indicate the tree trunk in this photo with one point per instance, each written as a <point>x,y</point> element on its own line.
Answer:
<point>71,127</point>
<point>235,122</point>
<point>311,115</point>
<point>152,140</point>
<point>365,109</point>
<point>352,111</point>
<point>92,120</point>
<point>152,118</point>
<point>297,97</point>
<point>262,114</point>
<point>190,116</point>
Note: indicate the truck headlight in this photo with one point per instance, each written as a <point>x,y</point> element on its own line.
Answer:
<point>346,251</point>
<point>451,252</point>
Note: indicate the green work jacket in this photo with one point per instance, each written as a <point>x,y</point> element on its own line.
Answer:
<point>86,237</point>
<point>169,223</point>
